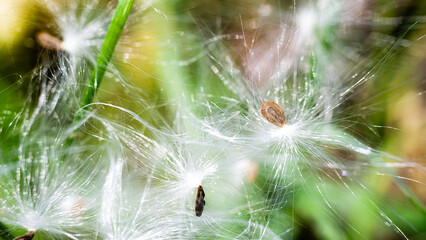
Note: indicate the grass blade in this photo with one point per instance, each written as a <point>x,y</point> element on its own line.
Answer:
<point>114,31</point>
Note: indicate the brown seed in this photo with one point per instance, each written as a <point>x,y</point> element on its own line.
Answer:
<point>46,40</point>
<point>199,201</point>
<point>27,236</point>
<point>273,113</point>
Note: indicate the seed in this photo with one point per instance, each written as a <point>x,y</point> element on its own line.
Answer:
<point>273,113</point>
<point>199,201</point>
<point>27,236</point>
<point>46,40</point>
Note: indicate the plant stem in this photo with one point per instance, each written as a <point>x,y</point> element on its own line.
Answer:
<point>114,31</point>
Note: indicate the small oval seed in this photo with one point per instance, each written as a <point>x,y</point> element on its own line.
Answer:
<point>273,113</point>
<point>199,201</point>
<point>48,41</point>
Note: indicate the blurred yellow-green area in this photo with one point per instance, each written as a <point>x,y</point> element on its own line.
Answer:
<point>392,105</point>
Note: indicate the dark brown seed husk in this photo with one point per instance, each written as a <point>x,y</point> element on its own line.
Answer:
<point>199,201</point>
<point>27,236</point>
